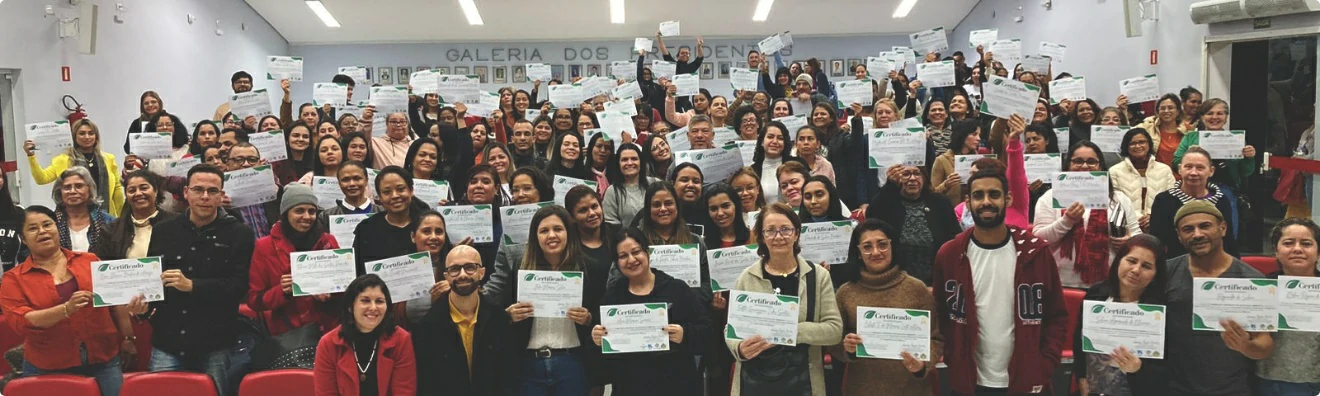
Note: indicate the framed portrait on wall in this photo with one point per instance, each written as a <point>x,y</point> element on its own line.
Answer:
<point>501,75</point>
<point>724,69</point>
<point>836,68</point>
<point>740,64</point>
<point>593,70</point>
<point>420,68</point>
<point>405,73</point>
<point>852,64</point>
<point>519,74</point>
<point>557,72</point>
<point>461,70</point>
<point>574,71</point>
<point>385,75</point>
<point>707,71</point>
<point>369,74</point>
<point>483,73</point>
<point>442,69</point>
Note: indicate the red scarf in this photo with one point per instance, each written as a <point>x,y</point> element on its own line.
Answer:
<point>1089,248</point>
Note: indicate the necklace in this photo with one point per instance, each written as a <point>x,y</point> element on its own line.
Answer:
<point>362,370</point>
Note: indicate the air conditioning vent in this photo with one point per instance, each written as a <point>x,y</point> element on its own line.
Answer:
<point>1218,11</point>
<point>1266,8</point>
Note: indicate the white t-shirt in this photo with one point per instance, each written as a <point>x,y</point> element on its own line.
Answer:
<point>78,240</point>
<point>769,179</point>
<point>993,269</point>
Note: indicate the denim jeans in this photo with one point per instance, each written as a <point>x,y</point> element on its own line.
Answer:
<point>1268,387</point>
<point>560,375</point>
<point>109,376</point>
<point>214,364</point>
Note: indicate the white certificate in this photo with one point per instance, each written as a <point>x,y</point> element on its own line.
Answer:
<point>962,164</point>
<point>270,145</point>
<point>564,183</point>
<point>487,103</point>
<point>1091,189</point>
<point>251,186</point>
<point>678,140</point>
<point>888,332</point>
<point>771,45</point>
<point>155,145</point>
<point>878,67</point>
<point>470,221</point>
<point>1052,50</point>
<point>893,146</point>
<point>50,136</point>
<point>332,93</point>
<point>1224,144</point>
<point>793,123</point>
<point>683,262</point>
<point>389,99</point>
<point>909,57</point>
<point>327,191</point>
<point>982,37</point>
<point>727,264</point>
<point>457,88</point>
<point>322,271</point>
<point>663,69</point>
<point>627,92</point>
<point>117,282</point>
<point>1299,303</point>
<point>593,86</point>
<point>1109,137</point>
<point>551,293</point>
<point>431,192</point>
<point>1007,51</point>
<point>517,222</point>
<point>687,84</point>
<point>181,166</point>
<point>531,114</point>
<point>1249,302</point>
<point>634,328</point>
<point>820,242</point>
<point>669,28</point>
<point>538,71</point>
<point>1140,89</point>
<point>936,74</point>
<point>743,79</point>
<point>642,44</point>
<point>868,123</point>
<point>1005,97</point>
<point>748,150</point>
<point>358,73</point>
<point>930,40</point>
<point>724,135</point>
<point>566,96</point>
<point>773,317</point>
<point>897,60</point>
<point>343,226</point>
<point>1065,137</point>
<point>409,276</point>
<point>284,68</point>
<point>621,107</point>
<point>1071,88</point>
<point>716,163</point>
<point>425,82</point>
<point>1137,327</point>
<point>614,124</point>
<point>623,70</point>
<point>1036,64</point>
<point>854,91</point>
<point>1041,166</point>
<point>254,103</point>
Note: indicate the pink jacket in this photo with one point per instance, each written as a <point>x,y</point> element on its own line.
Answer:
<point>1019,212</point>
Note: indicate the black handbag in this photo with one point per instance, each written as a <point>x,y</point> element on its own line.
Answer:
<point>293,349</point>
<point>782,370</point>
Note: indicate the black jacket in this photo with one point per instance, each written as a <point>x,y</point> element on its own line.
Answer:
<point>1154,376</point>
<point>375,239</point>
<point>940,218</point>
<point>115,240</point>
<point>636,373</point>
<point>215,257</point>
<point>1162,226</point>
<point>442,366</point>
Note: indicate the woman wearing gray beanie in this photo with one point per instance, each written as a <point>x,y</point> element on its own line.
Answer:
<point>270,283</point>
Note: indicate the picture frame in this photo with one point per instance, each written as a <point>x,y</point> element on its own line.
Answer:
<point>370,74</point>
<point>707,71</point>
<point>483,74</point>
<point>385,75</point>
<point>852,64</point>
<point>836,68</point>
<point>461,70</point>
<point>519,74</point>
<point>501,74</point>
<point>740,64</point>
<point>442,69</point>
<point>574,71</point>
<point>593,70</point>
<point>724,69</point>
<point>420,68</point>
<point>405,74</point>
<point>557,72</point>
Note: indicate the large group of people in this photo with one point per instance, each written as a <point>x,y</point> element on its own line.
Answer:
<point>987,253</point>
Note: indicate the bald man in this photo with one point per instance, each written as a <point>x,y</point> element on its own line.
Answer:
<point>462,347</point>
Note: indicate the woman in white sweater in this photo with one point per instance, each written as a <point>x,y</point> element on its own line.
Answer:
<point>1083,240</point>
<point>1140,177</point>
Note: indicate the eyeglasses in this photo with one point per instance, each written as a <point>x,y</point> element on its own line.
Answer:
<point>780,232</point>
<point>397,122</point>
<point>878,247</point>
<point>205,191</point>
<point>910,175</point>
<point>1085,161</point>
<point>244,160</point>
<point>469,268</point>
<point>73,186</point>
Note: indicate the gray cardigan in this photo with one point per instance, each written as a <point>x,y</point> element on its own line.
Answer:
<point>622,202</point>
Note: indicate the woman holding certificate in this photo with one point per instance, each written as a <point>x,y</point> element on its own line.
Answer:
<point>270,280</point>
<point>483,188</point>
<point>772,150</point>
<point>629,178</point>
<point>662,220</point>
<point>329,155</point>
<point>1292,368</point>
<point>368,354</point>
<point>925,219</point>
<point>944,179</point>
<point>1231,173</point>
<point>388,233</point>
<point>1141,175</point>
<point>529,186</point>
<point>86,152</point>
<point>1166,128</point>
<point>130,234</point>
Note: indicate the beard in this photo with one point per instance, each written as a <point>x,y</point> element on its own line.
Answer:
<point>992,222</point>
<point>465,289</point>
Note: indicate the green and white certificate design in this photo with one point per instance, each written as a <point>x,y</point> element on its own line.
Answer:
<point>1091,189</point>
<point>821,242</point>
<point>1137,327</point>
<point>888,332</point>
<point>551,293</point>
<point>771,316</point>
<point>322,271</point>
<point>896,146</point>
<point>1299,303</point>
<point>634,328</point>
<point>727,264</point>
<point>409,276</point>
<point>117,282</point>
<point>1223,144</point>
<point>1249,302</point>
<point>517,222</point>
<point>474,221</point>
<point>683,262</point>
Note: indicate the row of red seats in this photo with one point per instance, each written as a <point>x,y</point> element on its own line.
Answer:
<point>292,382</point>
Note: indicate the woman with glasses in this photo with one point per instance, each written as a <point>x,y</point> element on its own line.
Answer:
<point>925,220</point>
<point>1140,176</point>
<point>391,148</point>
<point>1166,128</point>
<point>747,184</point>
<point>1232,174</point>
<point>78,216</point>
<point>270,280</point>
<point>1084,240</point>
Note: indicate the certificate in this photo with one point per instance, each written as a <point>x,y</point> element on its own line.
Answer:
<point>50,136</point>
<point>743,79</point>
<point>565,96</point>
<point>1036,64</point>
<point>982,37</point>
<point>793,123</point>
<point>1071,88</point>
<point>888,332</point>
<point>820,242</point>
<point>181,166</point>
<point>432,192</point>
<point>321,271</point>
<point>517,222</point>
<point>455,89</point>
<point>878,67</point>
<point>487,103</point>
<point>623,70</point>
<point>678,140</point>
<point>724,135</point>
<point>683,262</point>
<point>409,276</point>
<point>270,145</point>
<point>1064,136</point>
<point>538,71</point>
<point>1110,137</point>
<point>896,59</point>
<point>687,84</point>
<point>551,293</point>
<point>470,221</point>
<point>1299,303</point>
<point>330,93</point>
<point>634,328</point>
<point>327,191</point>
<point>930,40</point>
<point>771,45</point>
<point>284,68</point>
<point>1041,166</point>
<point>1091,189</point>
<point>564,183</point>
<point>1054,51</point>
<point>854,91</point>
<point>748,150</point>
<point>425,82</point>
<point>894,146</point>
<point>1223,144</point>
<point>155,145</point>
<point>627,92</point>
<point>868,123</point>
<point>388,100</point>
<point>343,226</point>
<point>663,69</point>
<point>716,163</point>
<point>962,164</point>
<point>1137,327</point>
<point>642,44</point>
<point>613,124</point>
<point>1005,97</point>
<point>1140,89</point>
<point>727,264</point>
<point>621,107</point>
<point>1009,51</point>
<point>117,282</point>
<point>669,28</point>
<point>773,317</point>
<point>1249,302</point>
<point>254,103</point>
<point>358,73</point>
<point>593,86</point>
<point>251,186</point>
<point>936,74</point>
<point>531,114</point>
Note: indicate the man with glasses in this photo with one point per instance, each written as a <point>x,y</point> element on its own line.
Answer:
<point>257,216</point>
<point>461,346</point>
<point>392,149</point>
<point>205,254</point>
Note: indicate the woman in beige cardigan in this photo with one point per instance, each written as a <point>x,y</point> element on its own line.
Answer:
<point>1139,176</point>
<point>782,271</point>
<point>944,178</point>
<point>1165,128</point>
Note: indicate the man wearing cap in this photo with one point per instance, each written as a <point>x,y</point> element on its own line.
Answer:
<point>1207,363</point>
<point>803,98</point>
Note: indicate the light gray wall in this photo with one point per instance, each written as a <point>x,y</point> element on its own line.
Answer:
<point>154,49</point>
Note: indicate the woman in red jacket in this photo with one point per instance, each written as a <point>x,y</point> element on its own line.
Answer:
<point>270,282</point>
<point>367,354</point>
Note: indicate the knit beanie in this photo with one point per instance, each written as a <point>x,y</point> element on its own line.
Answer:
<point>296,194</point>
<point>1197,207</point>
<point>805,77</point>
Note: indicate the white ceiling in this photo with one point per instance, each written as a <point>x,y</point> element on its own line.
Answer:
<point>402,21</point>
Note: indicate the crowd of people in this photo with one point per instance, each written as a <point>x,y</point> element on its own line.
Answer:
<point>989,256</point>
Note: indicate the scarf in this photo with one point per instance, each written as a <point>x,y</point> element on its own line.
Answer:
<point>1089,248</point>
<point>98,172</point>
<point>93,228</point>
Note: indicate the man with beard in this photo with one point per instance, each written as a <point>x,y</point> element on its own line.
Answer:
<point>1001,307</point>
<point>462,346</point>
<point>1206,362</point>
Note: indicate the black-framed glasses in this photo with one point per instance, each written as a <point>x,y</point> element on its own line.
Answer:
<point>1085,161</point>
<point>244,160</point>
<point>205,191</point>
<point>469,268</point>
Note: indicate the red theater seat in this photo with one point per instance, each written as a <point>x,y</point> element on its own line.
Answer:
<point>1072,300</point>
<point>53,384</point>
<point>168,384</point>
<point>1265,264</point>
<point>290,382</point>
<point>8,340</point>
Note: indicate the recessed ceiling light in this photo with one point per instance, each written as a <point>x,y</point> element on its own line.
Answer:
<point>762,10</point>
<point>319,9</point>
<point>470,10</point>
<point>616,11</point>
<point>904,8</point>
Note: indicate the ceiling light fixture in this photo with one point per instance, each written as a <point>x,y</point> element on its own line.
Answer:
<point>319,9</point>
<point>470,10</point>
<point>616,11</point>
<point>762,10</point>
<point>904,8</point>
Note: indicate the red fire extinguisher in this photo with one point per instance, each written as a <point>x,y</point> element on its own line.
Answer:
<point>76,111</point>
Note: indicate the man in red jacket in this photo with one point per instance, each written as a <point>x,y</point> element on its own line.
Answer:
<point>999,300</point>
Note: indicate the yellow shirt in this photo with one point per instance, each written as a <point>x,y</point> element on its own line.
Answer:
<point>466,327</point>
